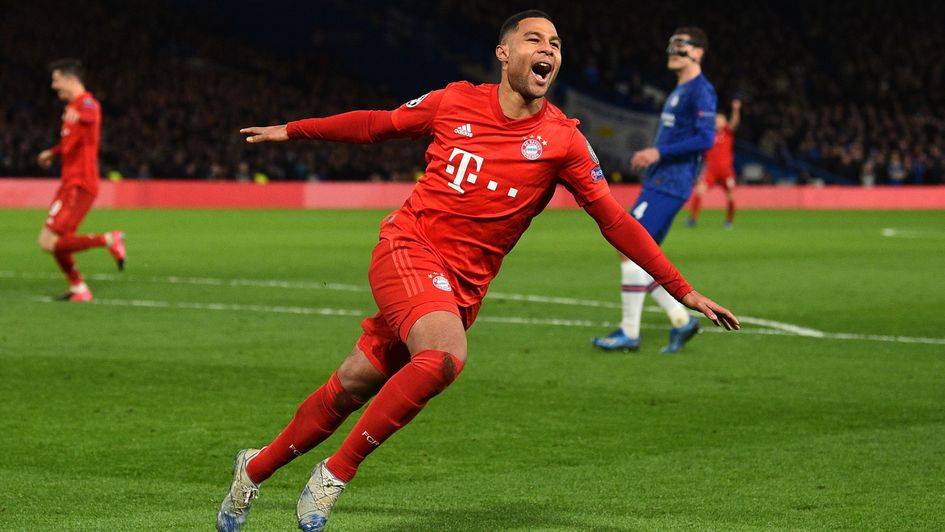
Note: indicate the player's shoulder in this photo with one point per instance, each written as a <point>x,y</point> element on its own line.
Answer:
<point>465,91</point>
<point>704,85</point>
<point>554,114</point>
<point>87,100</point>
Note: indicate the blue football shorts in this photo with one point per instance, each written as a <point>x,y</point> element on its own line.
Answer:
<point>655,211</point>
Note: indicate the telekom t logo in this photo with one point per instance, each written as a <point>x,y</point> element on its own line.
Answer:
<point>461,172</point>
<point>464,173</point>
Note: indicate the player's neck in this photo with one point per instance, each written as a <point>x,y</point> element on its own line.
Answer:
<point>687,74</point>
<point>514,105</point>
<point>76,91</point>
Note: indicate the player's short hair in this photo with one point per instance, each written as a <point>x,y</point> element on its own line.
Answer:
<point>697,36</point>
<point>67,67</point>
<point>511,23</point>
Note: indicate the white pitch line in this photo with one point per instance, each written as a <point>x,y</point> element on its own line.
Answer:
<point>776,327</point>
<point>892,232</point>
<point>147,303</point>
<point>200,281</point>
<point>508,320</point>
<point>308,285</point>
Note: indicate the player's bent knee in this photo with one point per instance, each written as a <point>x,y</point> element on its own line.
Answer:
<point>443,367</point>
<point>47,240</point>
<point>359,377</point>
<point>46,244</point>
<point>440,331</point>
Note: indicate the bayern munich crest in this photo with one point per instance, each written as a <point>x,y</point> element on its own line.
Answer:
<point>440,281</point>
<point>533,146</point>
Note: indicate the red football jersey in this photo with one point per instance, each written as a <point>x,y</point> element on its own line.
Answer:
<point>79,144</point>
<point>720,156</point>
<point>487,176</point>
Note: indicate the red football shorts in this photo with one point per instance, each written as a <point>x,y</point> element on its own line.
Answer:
<point>68,209</point>
<point>719,176</point>
<point>408,281</point>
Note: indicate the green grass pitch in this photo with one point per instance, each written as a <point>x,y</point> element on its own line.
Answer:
<point>826,412</point>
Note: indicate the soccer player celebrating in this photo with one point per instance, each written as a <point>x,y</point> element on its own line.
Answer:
<point>719,166</point>
<point>687,128</point>
<point>497,154</point>
<point>78,148</point>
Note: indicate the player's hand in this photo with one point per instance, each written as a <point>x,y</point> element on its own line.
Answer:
<point>719,315</point>
<point>736,104</point>
<point>257,134</point>
<point>45,158</point>
<point>644,158</point>
<point>70,116</point>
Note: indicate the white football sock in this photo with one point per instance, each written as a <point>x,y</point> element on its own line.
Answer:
<point>678,315</point>
<point>634,283</point>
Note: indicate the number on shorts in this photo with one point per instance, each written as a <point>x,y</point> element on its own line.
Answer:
<point>640,210</point>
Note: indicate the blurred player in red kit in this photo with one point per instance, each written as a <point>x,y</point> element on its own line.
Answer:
<point>498,152</point>
<point>719,166</point>
<point>78,149</point>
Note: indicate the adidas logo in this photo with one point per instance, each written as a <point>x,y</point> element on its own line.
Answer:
<point>464,130</point>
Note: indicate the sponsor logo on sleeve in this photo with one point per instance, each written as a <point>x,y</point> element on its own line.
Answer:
<point>597,174</point>
<point>416,101</point>
<point>590,150</point>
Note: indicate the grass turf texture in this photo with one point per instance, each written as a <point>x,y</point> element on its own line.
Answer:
<point>118,417</point>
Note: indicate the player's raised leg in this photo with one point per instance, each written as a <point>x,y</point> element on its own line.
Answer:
<point>437,343</point>
<point>115,241</point>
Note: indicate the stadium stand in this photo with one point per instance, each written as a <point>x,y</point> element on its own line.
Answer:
<point>832,94</point>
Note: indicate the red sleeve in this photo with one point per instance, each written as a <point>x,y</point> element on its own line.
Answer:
<point>360,127</point>
<point>631,239</point>
<point>416,116</point>
<point>57,149</point>
<point>412,119</point>
<point>581,173</point>
<point>88,109</point>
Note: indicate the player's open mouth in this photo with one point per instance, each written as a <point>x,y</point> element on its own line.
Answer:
<point>541,70</point>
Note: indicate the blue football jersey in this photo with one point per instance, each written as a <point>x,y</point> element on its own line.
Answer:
<point>687,129</point>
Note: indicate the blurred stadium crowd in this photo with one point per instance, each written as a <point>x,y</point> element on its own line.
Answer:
<point>849,90</point>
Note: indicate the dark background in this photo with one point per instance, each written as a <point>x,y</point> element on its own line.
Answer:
<point>838,91</point>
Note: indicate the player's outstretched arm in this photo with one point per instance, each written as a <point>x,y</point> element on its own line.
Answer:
<point>721,316</point>
<point>257,134</point>
<point>358,127</point>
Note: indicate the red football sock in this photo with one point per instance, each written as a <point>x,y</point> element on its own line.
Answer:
<point>316,419</point>
<point>730,212</point>
<point>73,243</point>
<point>402,397</point>
<point>694,208</point>
<point>67,265</point>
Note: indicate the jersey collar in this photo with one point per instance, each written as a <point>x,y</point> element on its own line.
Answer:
<point>521,122</point>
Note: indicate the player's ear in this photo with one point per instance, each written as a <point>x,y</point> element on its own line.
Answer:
<point>502,52</point>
